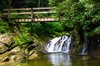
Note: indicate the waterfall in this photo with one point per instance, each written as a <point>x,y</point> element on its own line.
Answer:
<point>59,44</point>
<point>85,47</point>
<point>84,50</point>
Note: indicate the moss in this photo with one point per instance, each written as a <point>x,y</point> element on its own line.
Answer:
<point>75,41</point>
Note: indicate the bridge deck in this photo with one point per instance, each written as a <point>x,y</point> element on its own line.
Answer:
<point>37,20</point>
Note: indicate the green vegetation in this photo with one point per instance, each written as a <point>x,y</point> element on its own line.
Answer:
<point>47,28</point>
<point>21,39</point>
<point>79,14</point>
<point>3,27</point>
<point>82,16</point>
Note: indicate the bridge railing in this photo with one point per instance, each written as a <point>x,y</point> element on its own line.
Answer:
<point>38,8</point>
<point>32,12</point>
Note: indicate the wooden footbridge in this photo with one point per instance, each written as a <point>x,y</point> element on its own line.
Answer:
<point>41,14</point>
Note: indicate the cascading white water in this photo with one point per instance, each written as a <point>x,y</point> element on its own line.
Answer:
<point>84,47</point>
<point>84,50</point>
<point>59,44</point>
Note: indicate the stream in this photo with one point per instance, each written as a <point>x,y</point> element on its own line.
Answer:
<point>57,54</point>
<point>61,59</point>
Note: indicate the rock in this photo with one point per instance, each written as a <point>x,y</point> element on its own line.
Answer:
<point>6,38</point>
<point>5,59</point>
<point>16,50</point>
<point>33,56</point>
<point>85,58</point>
<point>13,57</point>
<point>31,52</point>
<point>18,58</point>
<point>17,53</point>
<point>2,48</point>
<point>96,54</point>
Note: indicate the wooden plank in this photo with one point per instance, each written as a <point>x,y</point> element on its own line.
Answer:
<point>19,13</point>
<point>37,20</point>
<point>43,8</point>
<point>42,12</point>
<point>39,8</point>
<point>18,9</point>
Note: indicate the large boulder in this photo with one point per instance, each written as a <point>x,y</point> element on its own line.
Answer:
<point>16,53</point>
<point>5,41</point>
<point>6,38</point>
<point>12,55</point>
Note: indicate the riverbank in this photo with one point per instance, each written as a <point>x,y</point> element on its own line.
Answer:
<point>10,52</point>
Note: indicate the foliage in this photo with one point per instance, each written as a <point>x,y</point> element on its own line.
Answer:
<point>3,27</point>
<point>97,30</point>
<point>84,14</point>
<point>42,28</point>
<point>22,39</point>
<point>51,28</point>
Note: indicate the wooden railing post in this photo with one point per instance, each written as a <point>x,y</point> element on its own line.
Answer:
<point>32,14</point>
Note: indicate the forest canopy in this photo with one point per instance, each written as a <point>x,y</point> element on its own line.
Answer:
<point>84,15</point>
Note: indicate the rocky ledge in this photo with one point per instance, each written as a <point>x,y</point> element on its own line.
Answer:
<point>10,52</point>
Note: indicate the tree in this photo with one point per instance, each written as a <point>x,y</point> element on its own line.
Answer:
<point>81,15</point>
